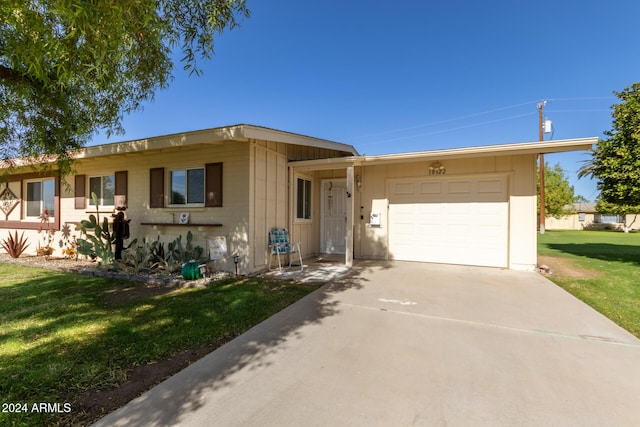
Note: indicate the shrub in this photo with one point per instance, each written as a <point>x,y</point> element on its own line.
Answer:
<point>15,246</point>
<point>98,244</point>
<point>150,256</point>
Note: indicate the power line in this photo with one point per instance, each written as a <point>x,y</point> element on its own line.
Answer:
<point>578,111</point>
<point>439,122</point>
<point>586,98</point>
<point>449,130</point>
<point>467,116</point>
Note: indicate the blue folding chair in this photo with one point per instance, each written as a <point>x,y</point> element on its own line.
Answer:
<point>280,245</point>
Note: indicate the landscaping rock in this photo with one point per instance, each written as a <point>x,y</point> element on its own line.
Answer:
<point>92,268</point>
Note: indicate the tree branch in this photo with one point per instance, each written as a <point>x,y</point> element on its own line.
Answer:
<point>10,74</point>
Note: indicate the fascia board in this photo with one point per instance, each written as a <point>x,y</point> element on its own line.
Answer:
<point>266,134</point>
<point>453,153</point>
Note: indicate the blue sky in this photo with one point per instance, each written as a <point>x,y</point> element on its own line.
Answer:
<point>390,77</point>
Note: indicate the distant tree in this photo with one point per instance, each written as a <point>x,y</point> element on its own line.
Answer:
<point>558,193</point>
<point>70,68</point>
<point>615,162</point>
<point>581,199</point>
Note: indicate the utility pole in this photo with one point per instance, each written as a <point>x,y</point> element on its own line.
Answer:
<point>542,205</point>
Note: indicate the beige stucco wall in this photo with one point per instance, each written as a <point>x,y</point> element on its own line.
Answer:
<point>572,222</point>
<point>234,214</point>
<point>17,216</point>
<point>267,197</point>
<point>371,242</point>
<point>569,222</point>
<point>273,185</point>
<point>256,193</point>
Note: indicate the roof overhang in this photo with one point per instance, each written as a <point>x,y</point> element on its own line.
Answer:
<point>242,132</point>
<point>540,147</point>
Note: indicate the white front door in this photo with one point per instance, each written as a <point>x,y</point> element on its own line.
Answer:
<point>333,228</point>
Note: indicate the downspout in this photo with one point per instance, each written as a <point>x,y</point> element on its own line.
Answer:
<point>348,254</point>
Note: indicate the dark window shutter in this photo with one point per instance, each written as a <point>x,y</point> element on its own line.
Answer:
<point>213,188</point>
<point>80,191</point>
<point>120,199</point>
<point>156,188</point>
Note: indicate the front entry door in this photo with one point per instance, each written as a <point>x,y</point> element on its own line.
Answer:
<point>334,216</point>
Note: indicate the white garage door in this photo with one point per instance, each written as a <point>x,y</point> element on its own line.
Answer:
<point>449,220</point>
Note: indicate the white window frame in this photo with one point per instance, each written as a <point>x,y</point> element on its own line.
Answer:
<point>610,219</point>
<point>42,201</point>
<point>101,195</point>
<point>305,179</point>
<point>186,186</point>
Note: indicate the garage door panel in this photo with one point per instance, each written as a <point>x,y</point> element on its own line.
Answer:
<point>459,187</point>
<point>457,221</point>
<point>488,209</point>
<point>428,209</point>
<point>495,186</point>
<point>430,188</point>
<point>403,188</point>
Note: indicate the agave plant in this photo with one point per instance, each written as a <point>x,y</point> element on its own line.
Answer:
<point>15,246</point>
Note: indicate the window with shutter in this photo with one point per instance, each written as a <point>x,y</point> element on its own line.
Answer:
<point>121,190</point>
<point>156,188</point>
<point>104,189</point>
<point>213,187</point>
<point>80,192</point>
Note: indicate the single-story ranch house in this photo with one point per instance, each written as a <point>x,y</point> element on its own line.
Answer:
<point>587,218</point>
<point>472,206</point>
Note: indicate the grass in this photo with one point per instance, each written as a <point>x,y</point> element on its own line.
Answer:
<point>63,334</point>
<point>608,267</point>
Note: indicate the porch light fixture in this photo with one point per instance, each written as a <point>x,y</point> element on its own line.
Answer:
<point>358,182</point>
<point>236,259</point>
<point>436,168</point>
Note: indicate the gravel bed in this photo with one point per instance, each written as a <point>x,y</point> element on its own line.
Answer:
<point>92,268</point>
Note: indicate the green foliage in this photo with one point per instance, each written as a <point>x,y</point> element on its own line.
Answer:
<point>99,243</point>
<point>581,199</point>
<point>180,254</point>
<point>15,246</point>
<point>150,256</point>
<point>145,257</point>
<point>615,161</point>
<point>608,263</point>
<point>558,194</point>
<point>65,335</point>
<point>68,69</point>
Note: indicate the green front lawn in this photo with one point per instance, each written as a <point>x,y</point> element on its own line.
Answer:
<point>64,334</point>
<point>602,268</point>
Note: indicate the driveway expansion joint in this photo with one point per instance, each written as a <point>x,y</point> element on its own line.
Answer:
<point>542,332</point>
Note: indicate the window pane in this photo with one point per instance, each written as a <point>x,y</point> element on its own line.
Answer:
<point>303,199</point>
<point>307,199</point>
<point>300,198</point>
<point>195,186</point>
<point>48,195</point>
<point>178,188</point>
<point>95,186</point>
<point>34,198</point>
<point>108,190</point>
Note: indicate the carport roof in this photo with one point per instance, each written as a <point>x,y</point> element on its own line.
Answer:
<point>539,147</point>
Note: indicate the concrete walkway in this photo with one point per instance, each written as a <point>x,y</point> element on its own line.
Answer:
<point>411,344</point>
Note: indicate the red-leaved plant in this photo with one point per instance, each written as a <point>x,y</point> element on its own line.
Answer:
<point>15,246</point>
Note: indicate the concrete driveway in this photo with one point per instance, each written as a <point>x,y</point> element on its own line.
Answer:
<point>404,344</point>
